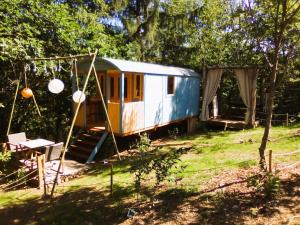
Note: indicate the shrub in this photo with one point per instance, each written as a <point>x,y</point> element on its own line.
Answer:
<point>153,161</point>
<point>5,160</point>
<point>267,184</point>
<point>173,133</point>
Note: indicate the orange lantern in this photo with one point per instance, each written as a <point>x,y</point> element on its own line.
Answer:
<point>27,93</point>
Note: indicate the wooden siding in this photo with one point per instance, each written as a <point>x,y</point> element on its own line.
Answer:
<point>133,116</point>
<point>153,100</point>
<point>161,108</point>
<point>187,97</point>
<point>80,120</point>
<point>114,115</point>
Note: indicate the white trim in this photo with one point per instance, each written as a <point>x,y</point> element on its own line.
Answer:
<point>148,68</point>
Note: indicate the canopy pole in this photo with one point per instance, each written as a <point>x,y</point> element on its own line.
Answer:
<point>73,123</point>
<point>14,103</point>
<point>36,105</point>
<point>106,113</point>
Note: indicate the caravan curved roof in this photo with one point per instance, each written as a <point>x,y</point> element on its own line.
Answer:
<point>137,67</point>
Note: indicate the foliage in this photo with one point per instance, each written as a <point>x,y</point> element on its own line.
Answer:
<point>5,159</point>
<point>46,28</point>
<point>185,33</point>
<point>144,143</point>
<point>268,184</point>
<point>154,161</point>
<point>271,29</point>
<point>173,133</point>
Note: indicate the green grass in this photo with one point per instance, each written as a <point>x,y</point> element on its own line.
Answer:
<point>217,151</point>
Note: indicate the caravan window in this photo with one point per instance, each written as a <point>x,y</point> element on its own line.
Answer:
<point>101,78</point>
<point>127,87</point>
<point>171,85</point>
<point>114,87</point>
<point>138,87</point>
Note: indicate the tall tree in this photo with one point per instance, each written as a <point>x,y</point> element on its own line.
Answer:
<point>274,28</point>
<point>35,28</point>
<point>140,22</point>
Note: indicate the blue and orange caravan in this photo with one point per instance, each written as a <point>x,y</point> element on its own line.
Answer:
<point>138,96</point>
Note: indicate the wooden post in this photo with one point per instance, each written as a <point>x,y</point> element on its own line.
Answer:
<point>44,177</point>
<point>4,147</point>
<point>287,120</point>
<point>270,161</point>
<point>41,167</point>
<point>106,112</point>
<point>111,179</point>
<point>204,78</point>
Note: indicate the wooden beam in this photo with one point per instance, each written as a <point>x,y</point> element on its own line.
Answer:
<point>61,57</point>
<point>73,123</point>
<point>232,67</point>
<point>106,111</point>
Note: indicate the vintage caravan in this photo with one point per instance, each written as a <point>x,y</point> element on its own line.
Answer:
<point>139,96</point>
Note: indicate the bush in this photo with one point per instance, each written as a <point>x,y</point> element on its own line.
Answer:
<point>5,160</point>
<point>267,184</point>
<point>153,161</point>
<point>173,133</point>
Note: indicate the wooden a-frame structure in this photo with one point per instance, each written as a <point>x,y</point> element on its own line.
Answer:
<point>91,70</point>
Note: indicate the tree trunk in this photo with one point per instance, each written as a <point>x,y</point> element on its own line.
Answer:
<point>269,112</point>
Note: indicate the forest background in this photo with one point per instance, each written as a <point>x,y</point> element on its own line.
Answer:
<point>185,33</point>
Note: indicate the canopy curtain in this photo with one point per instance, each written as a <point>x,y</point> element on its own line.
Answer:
<point>213,78</point>
<point>247,78</point>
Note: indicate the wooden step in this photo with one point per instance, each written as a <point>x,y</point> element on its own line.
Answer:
<point>77,148</point>
<point>85,143</point>
<point>97,129</point>
<point>91,137</point>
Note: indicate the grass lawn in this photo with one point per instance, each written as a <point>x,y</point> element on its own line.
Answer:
<point>86,200</point>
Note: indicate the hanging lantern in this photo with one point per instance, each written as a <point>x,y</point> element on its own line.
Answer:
<point>56,86</point>
<point>58,67</point>
<point>33,67</point>
<point>27,93</point>
<point>78,96</point>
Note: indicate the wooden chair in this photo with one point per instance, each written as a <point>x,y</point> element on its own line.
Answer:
<point>14,141</point>
<point>53,152</point>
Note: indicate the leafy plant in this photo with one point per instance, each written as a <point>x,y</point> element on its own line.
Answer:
<point>154,162</point>
<point>5,159</point>
<point>268,184</point>
<point>271,186</point>
<point>173,133</point>
<point>254,211</point>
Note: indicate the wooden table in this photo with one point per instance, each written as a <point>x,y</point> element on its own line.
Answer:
<point>36,143</point>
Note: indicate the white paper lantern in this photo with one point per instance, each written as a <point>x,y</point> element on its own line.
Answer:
<point>56,86</point>
<point>78,96</point>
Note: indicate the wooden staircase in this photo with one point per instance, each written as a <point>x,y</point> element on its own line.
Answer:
<point>87,145</point>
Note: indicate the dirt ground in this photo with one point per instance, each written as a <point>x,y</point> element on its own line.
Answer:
<point>225,200</point>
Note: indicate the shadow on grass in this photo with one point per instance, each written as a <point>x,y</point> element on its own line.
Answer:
<point>83,206</point>
<point>91,206</point>
<point>221,207</point>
